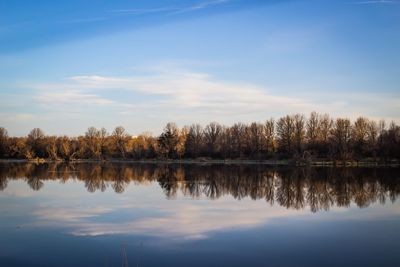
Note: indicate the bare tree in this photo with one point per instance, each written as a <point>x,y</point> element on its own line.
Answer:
<point>180,146</point>
<point>212,133</point>
<point>169,140</point>
<point>103,134</point>
<point>194,140</point>
<point>237,134</point>
<point>372,138</point>
<point>51,147</point>
<point>291,135</point>
<point>3,142</point>
<point>269,132</point>
<point>299,132</point>
<point>341,134</point>
<point>325,129</point>
<point>313,128</point>
<point>256,139</point>
<point>36,134</point>
<point>226,142</point>
<point>120,137</point>
<point>359,135</point>
<point>64,147</point>
<point>35,141</point>
<point>382,132</point>
<point>285,129</point>
<point>92,137</point>
<point>392,141</point>
<point>326,124</point>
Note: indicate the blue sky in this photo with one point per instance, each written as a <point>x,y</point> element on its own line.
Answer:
<point>68,65</point>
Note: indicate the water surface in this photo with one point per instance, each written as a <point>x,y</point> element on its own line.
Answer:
<point>112,214</point>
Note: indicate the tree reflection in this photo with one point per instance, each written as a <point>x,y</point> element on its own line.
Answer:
<point>35,183</point>
<point>293,188</point>
<point>3,183</point>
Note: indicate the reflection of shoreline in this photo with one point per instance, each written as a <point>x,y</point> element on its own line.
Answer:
<point>295,188</point>
<point>311,163</point>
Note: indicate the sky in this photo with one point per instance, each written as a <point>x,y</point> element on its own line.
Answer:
<point>69,65</point>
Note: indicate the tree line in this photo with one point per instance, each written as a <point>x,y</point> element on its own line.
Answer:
<point>294,188</point>
<point>317,136</point>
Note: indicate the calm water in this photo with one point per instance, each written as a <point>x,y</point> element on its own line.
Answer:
<point>148,215</point>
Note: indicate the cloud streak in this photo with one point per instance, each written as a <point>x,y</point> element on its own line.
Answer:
<point>375,2</point>
<point>142,11</point>
<point>201,5</point>
<point>175,91</point>
<point>184,96</point>
<point>190,89</point>
<point>166,10</point>
<point>71,97</point>
<point>170,10</point>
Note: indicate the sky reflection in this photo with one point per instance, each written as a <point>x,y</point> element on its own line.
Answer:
<point>205,216</point>
<point>143,209</point>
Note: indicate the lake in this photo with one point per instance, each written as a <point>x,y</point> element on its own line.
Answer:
<point>125,214</point>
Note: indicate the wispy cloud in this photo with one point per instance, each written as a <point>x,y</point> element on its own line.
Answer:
<point>84,20</point>
<point>140,11</point>
<point>171,9</point>
<point>173,94</point>
<point>201,5</point>
<point>16,117</point>
<point>194,90</point>
<point>71,97</point>
<point>166,10</point>
<point>376,2</point>
<point>188,94</point>
<point>150,98</point>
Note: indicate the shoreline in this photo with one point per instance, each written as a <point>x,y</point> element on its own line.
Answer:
<point>291,163</point>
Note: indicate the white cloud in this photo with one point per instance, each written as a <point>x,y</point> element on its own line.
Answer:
<point>172,92</point>
<point>19,117</point>
<point>71,97</point>
<point>149,99</point>
<point>185,89</point>
<point>195,92</point>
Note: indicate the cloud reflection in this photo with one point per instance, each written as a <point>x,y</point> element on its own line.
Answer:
<point>177,219</point>
<point>189,202</point>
